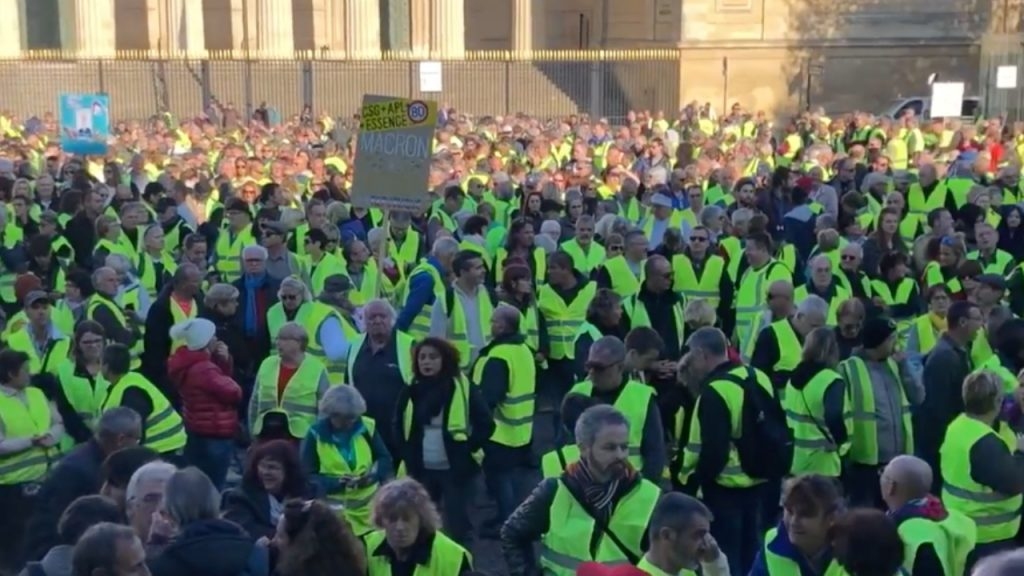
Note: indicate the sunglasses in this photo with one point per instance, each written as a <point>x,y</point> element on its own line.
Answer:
<point>615,247</point>
<point>289,297</point>
<point>698,239</point>
<point>848,257</point>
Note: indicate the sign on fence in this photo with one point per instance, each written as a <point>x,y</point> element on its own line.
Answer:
<point>393,151</point>
<point>1006,77</point>
<point>431,77</point>
<point>84,123</point>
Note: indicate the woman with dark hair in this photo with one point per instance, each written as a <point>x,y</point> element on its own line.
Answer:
<point>866,542</point>
<point>531,210</point>
<point>312,540</point>
<point>273,474</point>
<point>81,388</point>
<point>442,423</point>
<point>409,535</point>
<point>519,244</point>
<point>1011,233</point>
<point>517,290</point>
<point>885,239</point>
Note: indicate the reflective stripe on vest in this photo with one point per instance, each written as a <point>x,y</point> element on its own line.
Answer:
<point>298,403</point>
<point>633,401</point>
<point>864,443</point>
<point>513,416</point>
<point>26,419</point>
<point>996,515</point>
<point>563,319</point>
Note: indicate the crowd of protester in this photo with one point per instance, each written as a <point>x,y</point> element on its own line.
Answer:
<point>765,350</point>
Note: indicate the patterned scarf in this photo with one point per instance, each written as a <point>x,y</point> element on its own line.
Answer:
<point>598,496</point>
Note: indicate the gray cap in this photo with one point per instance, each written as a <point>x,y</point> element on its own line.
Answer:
<point>336,284</point>
<point>35,296</point>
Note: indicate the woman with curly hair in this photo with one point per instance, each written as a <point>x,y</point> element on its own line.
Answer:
<point>273,475</point>
<point>441,425</point>
<point>312,540</point>
<point>409,535</point>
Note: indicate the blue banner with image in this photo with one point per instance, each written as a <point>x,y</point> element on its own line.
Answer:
<point>84,123</point>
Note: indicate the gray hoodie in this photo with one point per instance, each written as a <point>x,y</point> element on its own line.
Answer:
<point>57,562</point>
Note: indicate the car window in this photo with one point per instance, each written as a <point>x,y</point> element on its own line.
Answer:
<point>917,105</point>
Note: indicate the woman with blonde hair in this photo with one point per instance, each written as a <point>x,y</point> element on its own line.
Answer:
<point>409,528</point>
<point>981,473</point>
<point>816,408</point>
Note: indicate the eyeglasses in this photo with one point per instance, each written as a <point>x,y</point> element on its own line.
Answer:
<point>289,297</point>
<point>615,247</point>
<point>698,239</point>
<point>848,257</point>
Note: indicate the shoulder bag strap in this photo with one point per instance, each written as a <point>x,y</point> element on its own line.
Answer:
<point>601,525</point>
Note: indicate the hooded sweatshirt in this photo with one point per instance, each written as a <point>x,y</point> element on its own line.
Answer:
<point>212,548</point>
<point>959,530</point>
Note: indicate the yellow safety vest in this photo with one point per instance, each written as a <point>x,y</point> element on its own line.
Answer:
<point>277,317</point>
<point>584,262</point>
<point>446,557</point>
<point>1001,264</point>
<point>85,394</point>
<point>164,429</point>
<point>814,449</point>
<point>653,570</point>
<point>457,423</point>
<point>26,419</point>
<point>57,351</point>
<point>706,286</point>
<point>585,329</point>
<point>841,295</point>
<point>571,539</point>
<point>329,265</point>
<point>633,401</point>
<point>921,206</point>
<point>513,417</point>
<point>147,272</point>
<point>789,345</point>
<point>732,476</point>
<point>952,538</point>
<point>299,401</point>
<point>540,264</point>
<point>995,365</point>
<point>636,311</point>
<point>996,515</point>
<point>404,344</point>
<point>563,318</point>
<point>407,253</point>
<point>624,282</point>
<point>97,300</point>
<point>782,566</point>
<point>927,335</point>
<point>864,442</point>
<point>752,294</point>
<point>228,251</point>
<point>355,502</point>
<point>553,463</point>
<point>178,316</point>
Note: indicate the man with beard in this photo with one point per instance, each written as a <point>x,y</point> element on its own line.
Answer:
<point>572,515</point>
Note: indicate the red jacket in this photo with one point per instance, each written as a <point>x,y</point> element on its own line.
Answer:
<point>209,396</point>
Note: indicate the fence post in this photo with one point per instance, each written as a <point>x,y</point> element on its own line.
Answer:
<point>248,87</point>
<point>204,79</point>
<point>307,83</point>
<point>100,77</point>
<point>508,86</point>
<point>597,87</point>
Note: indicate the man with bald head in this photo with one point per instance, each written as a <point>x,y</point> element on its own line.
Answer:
<point>937,540</point>
<point>609,382</point>
<point>177,302</point>
<point>506,375</point>
<point>657,306</point>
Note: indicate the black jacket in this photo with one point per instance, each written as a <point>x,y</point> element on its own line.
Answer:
<point>211,548</point>
<point>532,520</point>
<point>410,450</point>
<point>229,331</point>
<point>78,474</point>
<point>248,505</point>
<point>157,340</point>
<point>944,371</point>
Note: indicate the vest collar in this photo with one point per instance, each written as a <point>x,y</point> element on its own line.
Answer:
<point>419,553</point>
<point>781,545</point>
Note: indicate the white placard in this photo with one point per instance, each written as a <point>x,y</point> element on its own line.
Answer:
<point>947,100</point>
<point>1006,77</point>
<point>430,77</point>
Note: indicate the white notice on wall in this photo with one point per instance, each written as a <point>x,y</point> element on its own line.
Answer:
<point>947,99</point>
<point>1006,77</point>
<point>430,77</point>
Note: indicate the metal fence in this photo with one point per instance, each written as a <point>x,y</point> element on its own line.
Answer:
<point>601,83</point>
<point>1002,59</point>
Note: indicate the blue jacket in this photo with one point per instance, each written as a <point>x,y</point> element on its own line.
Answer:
<point>782,546</point>
<point>344,442</point>
<point>421,293</point>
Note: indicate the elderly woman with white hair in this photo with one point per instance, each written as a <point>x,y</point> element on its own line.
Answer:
<point>345,456</point>
<point>131,295</point>
<point>288,388</point>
